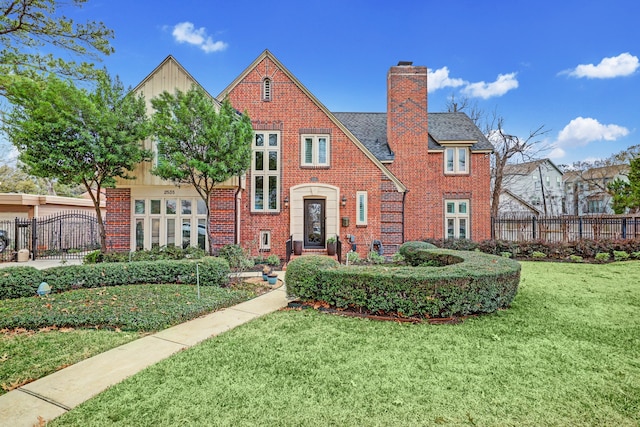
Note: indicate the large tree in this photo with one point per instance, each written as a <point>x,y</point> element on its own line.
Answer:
<point>200,143</point>
<point>78,136</point>
<point>29,28</point>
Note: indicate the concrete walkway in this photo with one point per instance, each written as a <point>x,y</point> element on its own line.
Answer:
<point>52,396</point>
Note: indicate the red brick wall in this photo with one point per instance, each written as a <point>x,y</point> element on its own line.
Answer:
<point>222,224</point>
<point>291,110</point>
<point>118,219</point>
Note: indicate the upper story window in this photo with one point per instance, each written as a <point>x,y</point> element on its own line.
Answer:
<point>265,172</point>
<point>314,150</point>
<point>456,160</point>
<point>266,89</point>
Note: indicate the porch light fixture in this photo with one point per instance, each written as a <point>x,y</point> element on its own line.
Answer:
<point>286,201</point>
<point>343,202</point>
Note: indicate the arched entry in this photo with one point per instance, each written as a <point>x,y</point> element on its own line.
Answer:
<point>314,214</point>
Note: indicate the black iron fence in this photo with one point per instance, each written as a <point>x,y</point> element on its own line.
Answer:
<point>64,235</point>
<point>565,228</point>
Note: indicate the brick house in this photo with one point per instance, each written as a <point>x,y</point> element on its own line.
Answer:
<point>395,176</point>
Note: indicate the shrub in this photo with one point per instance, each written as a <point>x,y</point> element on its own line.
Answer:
<point>236,257</point>
<point>636,254</point>
<point>397,258</point>
<point>170,252</point>
<point>602,256</point>
<point>411,250</point>
<point>575,258</point>
<point>93,257</point>
<point>353,257</point>
<point>538,254</point>
<point>376,258</point>
<point>302,274</point>
<point>481,283</point>
<point>18,282</point>
<point>506,254</point>
<point>620,255</point>
<point>273,260</point>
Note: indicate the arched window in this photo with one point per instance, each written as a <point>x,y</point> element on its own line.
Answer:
<point>266,89</point>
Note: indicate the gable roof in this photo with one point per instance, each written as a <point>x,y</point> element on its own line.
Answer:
<point>596,173</point>
<point>520,201</point>
<point>367,152</point>
<point>527,168</point>
<point>371,129</point>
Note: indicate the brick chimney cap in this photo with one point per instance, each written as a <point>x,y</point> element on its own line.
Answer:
<point>405,63</point>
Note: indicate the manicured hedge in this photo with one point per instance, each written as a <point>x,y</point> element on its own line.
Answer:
<point>16,282</point>
<point>481,283</point>
<point>302,275</point>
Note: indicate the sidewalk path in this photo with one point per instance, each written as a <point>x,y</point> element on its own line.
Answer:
<point>52,396</point>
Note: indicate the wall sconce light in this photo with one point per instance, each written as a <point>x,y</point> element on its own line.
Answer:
<point>286,201</point>
<point>343,202</point>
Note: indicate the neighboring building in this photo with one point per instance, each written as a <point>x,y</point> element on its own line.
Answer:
<point>532,188</point>
<point>28,206</point>
<point>393,177</point>
<point>586,191</point>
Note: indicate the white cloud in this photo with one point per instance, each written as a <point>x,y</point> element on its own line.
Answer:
<point>556,153</point>
<point>616,66</point>
<point>439,79</point>
<point>583,130</point>
<point>503,84</point>
<point>185,32</point>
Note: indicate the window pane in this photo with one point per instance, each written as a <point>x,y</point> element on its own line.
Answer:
<point>273,140</point>
<point>258,203</point>
<point>462,207</point>
<point>259,164</point>
<point>322,151</point>
<point>451,207</point>
<point>139,234</point>
<point>273,192</point>
<point>155,232</point>
<point>273,160</point>
<point>170,206</point>
<point>463,228</point>
<point>155,207</point>
<point>308,150</point>
<point>139,207</point>
<point>201,207</point>
<point>171,231</point>
<point>186,233</point>
<point>450,228</point>
<point>361,208</point>
<point>186,207</point>
<point>462,159</point>
<point>449,154</point>
<point>202,233</point>
<point>259,140</point>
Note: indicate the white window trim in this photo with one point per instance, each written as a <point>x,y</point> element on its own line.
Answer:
<point>362,198</point>
<point>456,161</point>
<point>265,172</point>
<point>265,246</point>
<point>456,216</point>
<point>316,150</point>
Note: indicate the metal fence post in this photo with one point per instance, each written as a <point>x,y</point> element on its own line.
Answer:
<point>533,223</point>
<point>34,237</point>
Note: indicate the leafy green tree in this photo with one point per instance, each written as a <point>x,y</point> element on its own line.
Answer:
<point>28,28</point>
<point>199,142</point>
<point>77,136</point>
<point>626,195</point>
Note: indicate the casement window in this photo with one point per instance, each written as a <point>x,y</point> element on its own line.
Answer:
<point>314,150</point>
<point>266,89</point>
<point>265,240</point>
<point>169,222</point>
<point>265,172</point>
<point>456,160</point>
<point>362,208</point>
<point>456,219</point>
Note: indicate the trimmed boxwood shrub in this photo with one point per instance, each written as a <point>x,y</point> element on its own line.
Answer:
<point>481,283</point>
<point>16,282</point>
<point>302,275</point>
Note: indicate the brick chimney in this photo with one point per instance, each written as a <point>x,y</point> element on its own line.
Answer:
<point>408,137</point>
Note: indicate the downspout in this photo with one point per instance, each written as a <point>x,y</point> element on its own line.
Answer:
<point>236,212</point>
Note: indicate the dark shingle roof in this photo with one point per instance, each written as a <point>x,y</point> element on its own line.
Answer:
<point>371,130</point>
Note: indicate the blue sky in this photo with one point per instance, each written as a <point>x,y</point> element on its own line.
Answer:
<point>571,66</point>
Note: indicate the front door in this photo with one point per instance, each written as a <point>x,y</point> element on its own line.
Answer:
<point>314,233</point>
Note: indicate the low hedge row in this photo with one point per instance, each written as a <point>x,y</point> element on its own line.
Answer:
<point>16,282</point>
<point>585,248</point>
<point>481,283</point>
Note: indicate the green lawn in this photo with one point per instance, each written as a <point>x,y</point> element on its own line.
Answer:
<point>90,321</point>
<point>566,353</point>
